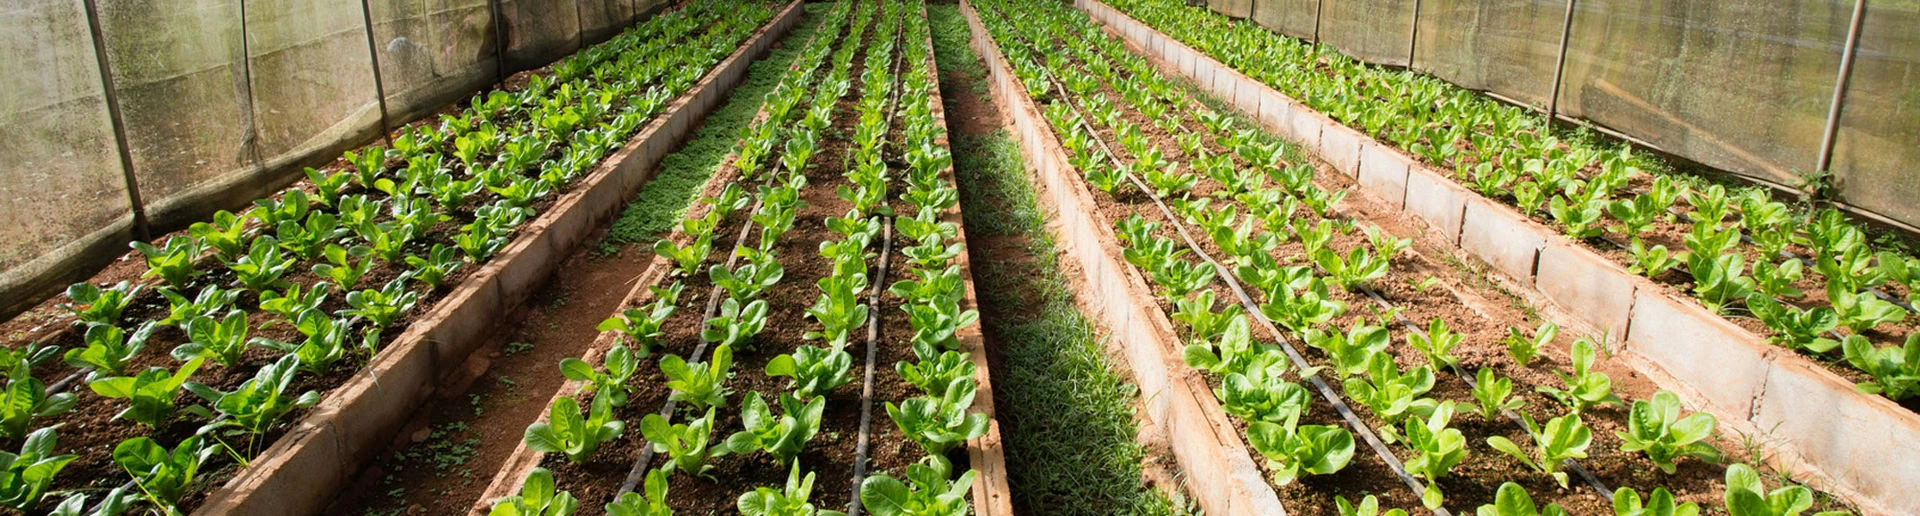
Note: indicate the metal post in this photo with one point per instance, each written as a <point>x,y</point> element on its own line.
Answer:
<point>1560,64</point>
<point>379,88</point>
<point>1413,40</point>
<point>1318,7</point>
<point>108,91</point>
<point>252,141</point>
<point>1840,87</point>
<point>499,41</point>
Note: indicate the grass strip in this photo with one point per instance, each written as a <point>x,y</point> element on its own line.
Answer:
<point>664,201</point>
<point>1071,447</point>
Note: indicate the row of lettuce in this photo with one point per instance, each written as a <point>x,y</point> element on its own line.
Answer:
<point>775,151</point>
<point>445,197</point>
<point>1745,253</point>
<point>1067,64</point>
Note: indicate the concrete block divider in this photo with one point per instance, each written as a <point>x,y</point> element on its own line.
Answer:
<point>1859,446</point>
<point>301,472</point>
<point>1217,465</point>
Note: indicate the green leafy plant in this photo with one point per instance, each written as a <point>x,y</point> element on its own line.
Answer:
<point>1655,427</point>
<point>1562,438</point>
<point>1368,506</point>
<point>292,302</point>
<point>736,323</point>
<point>173,263</point>
<point>1355,271</point>
<point>537,497</point>
<point>1746,495</point>
<point>703,385</point>
<point>109,349</point>
<point>1649,261</point>
<point>814,370</point>
<point>1579,218</point>
<point>163,475</point>
<point>1586,387</point>
<point>258,404</point>
<point>260,270</point>
<point>689,447</point>
<point>745,283</point>
<point>1795,328</point>
<point>1522,348</point>
<point>94,305</point>
<point>434,268</point>
<point>641,325</point>
<point>651,501</point>
<point>26,476</point>
<point>1392,394</point>
<point>789,501</point>
<point>1777,279</point>
<point>1512,500</point>
<point>783,437</point>
<point>565,431</point>
<point>1719,279</point>
<point>939,424</point>
<point>211,299</point>
<point>1860,311</point>
<point>620,364</point>
<point>341,266</point>
<point>385,306</point>
<point>1492,392</point>
<point>150,395</point>
<point>1627,502</point>
<point>26,399</point>
<point>1438,450</point>
<point>1895,370</point>
<point>226,234</point>
<point>1353,352</point>
<point>1292,450</point>
<point>223,340</point>
<point>1437,344</point>
<point>1261,395</point>
<point>930,490</point>
<point>686,259</point>
<point>1303,309</point>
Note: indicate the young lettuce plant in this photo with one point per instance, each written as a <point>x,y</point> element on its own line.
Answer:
<point>163,475</point>
<point>1369,506</point>
<point>1777,280</point>
<point>1437,344</point>
<point>1351,353</point>
<point>91,304</point>
<point>1392,394</point>
<point>257,405</point>
<point>814,370</point>
<point>746,283</point>
<point>789,501</point>
<point>686,259</point>
<point>1355,271</point>
<point>1196,311</point>
<point>1860,311</point>
<point>1655,427</point>
<point>150,394</point>
<point>939,424</point>
<point>930,490</point>
<point>566,432</point>
<point>434,268</point>
<point>1492,392</point>
<point>736,323</point>
<point>173,263</point>
<point>1748,496</point>
<point>1895,370</point>
<point>1649,261</point>
<point>1794,328</point>
<point>290,303</point>
<point>1627,502</point>
<point>784,436</point>
<point>25,476</point>
<point>1513,500</point>
<point>1292,450</point>
<point>642,326</point>
<point>651,501</point>
<point>690,447</point>
<point>936,370</point>
<point>1719,279</point>
<point>1522,348</point>
<point>109,349</point>
<point>703,385</point>
<point>385,306</point>
<point>1586,388</point>
<point>1262,395</point>
<point>1562,438</point>
<point>1303,309</point>
<point>26,399</point>
<point>620,364</point>
<point>537,497</point>
<point>1439,449</point>
<point>326,342</point>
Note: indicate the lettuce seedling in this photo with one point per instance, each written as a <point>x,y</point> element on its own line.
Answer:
<point>1392,394</point>
<point>1196,311</point>
<point>736,323</point>
<point>1655,427</point>
<point>226,234</point>
<point>1437,343</point>
<point>1895,370</point>
<point>1747,496</point>
<point>1522,349</point>
<point>291,302</point>
<point>689,447</point>
<point>109,349</point>
<point>163,475</point>
<point>789,501</point>
<point>566,432</point>
<point>1355,271</point>
<point>939,424</point>
<point>1258,395</point>
<point>1627,502</point>
<point>260,270</point>
<point>210,300</point>
<point>1561,439</point>
<point>814,370</point>
<point>1795,328</point>
<point>620,364</point>
<point>257,405</point>
<point>1512,500</point>
<point>433,269</point>
<point>703,385</point>
<point>1353,352</point>
<point>783,437</point>
<point>1438,449</point>
<point>1292,450</point>
<point>933,491</point>
<point>1492,391</point>
<point>651,501</point>
<point>150,394</point>
<point>1369,506</point>
<point>642,325</point>
<point>1719,279</point>
<point>1305,308</point>
<point>1649,261</point>
<point>1860,311</point>
<point>1586,388</point>
<point>537,497</point>
<point>385,306</point>
<point>25,476</point>
<point>224,340</point>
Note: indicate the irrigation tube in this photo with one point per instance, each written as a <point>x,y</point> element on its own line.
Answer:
<point>861,444</point>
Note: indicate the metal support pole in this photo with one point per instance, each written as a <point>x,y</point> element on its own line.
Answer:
<point>1413,40</point>
<point>1318,7</point>
<point>499,41</point>
<point>1560,64</point>
<point>108,91</point>
<point>1832,131</point>
<point>379,88</point>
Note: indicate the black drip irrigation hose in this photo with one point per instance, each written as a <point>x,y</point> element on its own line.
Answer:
<point>861,444</point>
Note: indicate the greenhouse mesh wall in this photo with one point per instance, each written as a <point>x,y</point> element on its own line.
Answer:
<point>1740,85</point>
<point>219,102</point>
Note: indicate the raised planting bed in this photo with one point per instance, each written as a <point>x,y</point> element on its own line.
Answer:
<point>1784,360</point>
<point>1324,354</point>
<point>429,241</point>
<point>808,314</point>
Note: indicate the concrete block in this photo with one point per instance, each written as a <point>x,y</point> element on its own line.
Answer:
<point>1304,127</point>
<point>1438,201</point>
<point>467,314</point>
<point>1502,238</point>
<point>1203,70</point>
<point>1223,86</point>
<point>1588,285</point>
<point>1274,112</point>
<point>1384,172</point>
<point>1849,435</point>
<point>297,475</point>
<point>366,411</point>
<point>1340,146</point>
<point>1711,355</point>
